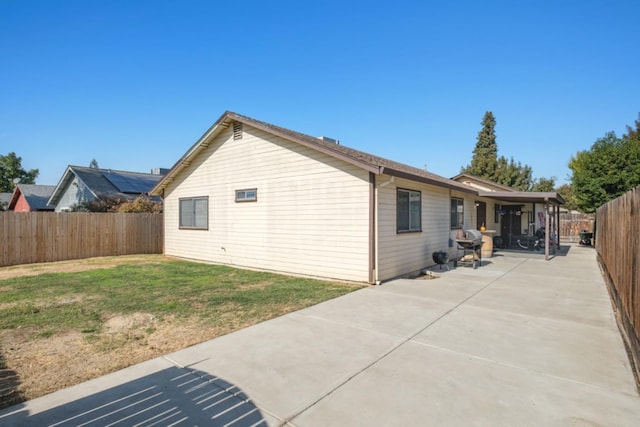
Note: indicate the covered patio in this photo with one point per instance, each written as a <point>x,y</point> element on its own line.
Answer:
<point>548,202</point>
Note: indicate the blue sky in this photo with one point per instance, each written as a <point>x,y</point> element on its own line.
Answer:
<point>134,84</point>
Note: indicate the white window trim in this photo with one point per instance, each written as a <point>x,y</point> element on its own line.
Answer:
<point>413,228</point>
<point>459,213</point>
<point>195,226</point>
<point>247,195</point>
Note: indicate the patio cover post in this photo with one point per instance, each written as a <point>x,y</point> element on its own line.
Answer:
<point>558,226</point>
<point>546,229</point>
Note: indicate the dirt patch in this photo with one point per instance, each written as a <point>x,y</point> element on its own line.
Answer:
<point>130,322</point>
<point>52,363</point>
<point>73,266</point>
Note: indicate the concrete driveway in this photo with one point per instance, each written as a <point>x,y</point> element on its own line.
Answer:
<point>519,341</point>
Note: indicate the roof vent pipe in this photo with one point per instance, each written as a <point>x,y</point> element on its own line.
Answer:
<point>329,140</point>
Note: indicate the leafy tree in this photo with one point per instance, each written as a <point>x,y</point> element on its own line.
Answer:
<point>485,154</point>
<point>142,203</point>
<point>610,168</point>
<point>11,170</point>
<point>105,204</point>
<point>545,185</point>
<point>633,134</point>
<point>566,191</point>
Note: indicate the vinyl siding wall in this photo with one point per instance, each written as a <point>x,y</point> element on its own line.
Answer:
<point>402,253</point>
<point>310,218</point>
<point>75,193</point>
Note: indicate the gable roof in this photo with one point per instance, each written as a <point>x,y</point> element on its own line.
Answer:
<point>510,194</point>
<point>469,177</point>
<point>369,162</point>
<point>106,182</point>
<point>37,196</point>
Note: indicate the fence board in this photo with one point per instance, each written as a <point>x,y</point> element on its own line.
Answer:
<point>571,224</point>
<point>32,237</point>
<point>618,246</point>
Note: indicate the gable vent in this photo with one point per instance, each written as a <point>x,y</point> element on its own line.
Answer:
<point>237,130</point>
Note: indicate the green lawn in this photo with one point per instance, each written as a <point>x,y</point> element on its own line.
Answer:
<point>50,303</point>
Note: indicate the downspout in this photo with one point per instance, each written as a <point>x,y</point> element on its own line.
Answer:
<point>373,271</point>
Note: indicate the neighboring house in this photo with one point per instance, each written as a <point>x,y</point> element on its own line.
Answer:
<point>85,184</point>
<point>5,198</point>
<point>30,198</point>
<point>255,195</point>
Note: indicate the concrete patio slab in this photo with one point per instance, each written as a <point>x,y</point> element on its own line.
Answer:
<point>155,392</point>
<point>421,385</point>
<point>378,311</point>
<point>288,363</point>
<point>559,304</point>
<point>575,351</point>
<point>451,290</point>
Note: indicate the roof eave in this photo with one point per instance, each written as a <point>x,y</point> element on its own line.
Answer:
<point>524,196</point>
<point>14,198</point>
<point>223,123</point>
<point>201,144</point>
<point>426,180</point>
<point>67,177</point>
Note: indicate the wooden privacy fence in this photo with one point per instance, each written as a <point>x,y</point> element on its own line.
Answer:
<point>618,246</point>
<point>31,237</point>
<point>571,224</point>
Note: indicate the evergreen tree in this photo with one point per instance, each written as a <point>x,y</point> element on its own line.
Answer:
<point>513,174</point>
<point>485,154</point>
<point>485,162</point>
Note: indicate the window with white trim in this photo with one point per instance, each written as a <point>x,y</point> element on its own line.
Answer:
<point>194,213</point>
<point>250,195</point>
<point>408,211</point>
<point>457,213</point>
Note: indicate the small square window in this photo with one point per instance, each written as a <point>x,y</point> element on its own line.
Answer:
<point>250,195</point>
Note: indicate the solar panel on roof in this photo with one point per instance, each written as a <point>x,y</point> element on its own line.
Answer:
<point>131,183</point>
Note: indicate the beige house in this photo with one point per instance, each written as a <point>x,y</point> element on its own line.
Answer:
<point>255,195</point>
